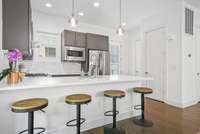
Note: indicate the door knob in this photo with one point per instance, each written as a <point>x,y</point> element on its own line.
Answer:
<point>146,73</point>
<point>198,74</point>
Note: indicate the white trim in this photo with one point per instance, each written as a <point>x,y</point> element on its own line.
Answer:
<point>174,103</point>
<point>189,103</point>
<point>183,104</point>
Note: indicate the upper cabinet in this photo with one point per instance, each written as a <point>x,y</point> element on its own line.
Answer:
<point>17,26</point>
<point>88,40</point>
<point>97,42</point>
<point>80,39</point>
<point>71,38</point>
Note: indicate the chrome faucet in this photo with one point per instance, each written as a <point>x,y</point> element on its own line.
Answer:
<point>92,69</point>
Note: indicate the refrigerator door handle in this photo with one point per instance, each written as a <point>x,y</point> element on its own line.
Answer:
<point>100,72</point>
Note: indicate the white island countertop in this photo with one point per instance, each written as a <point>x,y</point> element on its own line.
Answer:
<point>50,82</point>
<point>58,112</point>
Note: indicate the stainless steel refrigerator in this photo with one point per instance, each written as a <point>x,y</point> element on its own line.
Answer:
<point>99,62</point>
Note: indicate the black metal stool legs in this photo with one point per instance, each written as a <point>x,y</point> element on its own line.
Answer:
<point>31,128</point>
<point>142,102</point>
<point>114,129</point>
<point>78,116</point>
<point>30,122</point>
<point>141,121</point>
<point>79,121</point>
<point>114,113</point>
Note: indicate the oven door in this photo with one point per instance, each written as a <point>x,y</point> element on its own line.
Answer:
<point>74,54</point>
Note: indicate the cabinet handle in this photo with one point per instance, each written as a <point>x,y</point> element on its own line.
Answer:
<point>146,73</point>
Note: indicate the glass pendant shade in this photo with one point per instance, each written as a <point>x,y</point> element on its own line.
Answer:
<point>120,31</point>
<point>73,22</point>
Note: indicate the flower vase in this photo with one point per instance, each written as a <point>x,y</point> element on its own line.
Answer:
<point>13,77</point>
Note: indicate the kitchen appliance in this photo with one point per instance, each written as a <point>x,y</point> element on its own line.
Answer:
<point>99,62</point>
<point>73,53</point>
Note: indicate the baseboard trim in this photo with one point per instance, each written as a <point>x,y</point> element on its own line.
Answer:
<point>183,104</point>
<point>189,103</point>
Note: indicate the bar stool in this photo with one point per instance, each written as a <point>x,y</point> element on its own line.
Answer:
<point>114,94</point>
<point>141,121</point>
<point>78,100</point>
<point>30,106</point>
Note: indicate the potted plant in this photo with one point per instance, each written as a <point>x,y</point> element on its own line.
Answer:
<point>12,73</point>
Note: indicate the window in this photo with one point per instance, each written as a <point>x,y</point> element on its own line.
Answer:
<point>115,58</point>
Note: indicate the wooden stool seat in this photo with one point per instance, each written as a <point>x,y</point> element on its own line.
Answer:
<point>143,90</point>
<point>29,105</point>
<point>78,99</point>
<point>114,93</point>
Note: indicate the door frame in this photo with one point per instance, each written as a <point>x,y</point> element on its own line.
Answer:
<point>165,58</point>
<point>196,29</point>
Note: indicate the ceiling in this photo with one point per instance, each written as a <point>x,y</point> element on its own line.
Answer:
<point>107,14</point>
<point>195,3</point>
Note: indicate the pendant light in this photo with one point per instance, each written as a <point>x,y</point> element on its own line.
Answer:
<point>73,21</point>
<point>120,30</point>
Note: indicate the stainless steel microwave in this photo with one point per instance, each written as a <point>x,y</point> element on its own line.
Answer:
<point>73,53</point>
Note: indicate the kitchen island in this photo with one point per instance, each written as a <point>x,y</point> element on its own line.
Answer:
<point>58,112</point>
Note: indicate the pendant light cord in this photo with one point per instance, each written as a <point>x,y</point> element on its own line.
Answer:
<point>73,7</point>
<point>120,12</point>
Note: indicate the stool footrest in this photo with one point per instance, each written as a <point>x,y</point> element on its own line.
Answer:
<point>70,123</point>
<point>138,107</point>
<point>110,113</point>
<point>37,128</point>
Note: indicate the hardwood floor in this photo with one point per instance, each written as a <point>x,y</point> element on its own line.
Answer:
<point>167,120</point>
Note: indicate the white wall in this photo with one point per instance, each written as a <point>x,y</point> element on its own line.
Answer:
<point>189,93</point>
<point>0,24</point>
<point>181,69</point>
<point>170,18</point>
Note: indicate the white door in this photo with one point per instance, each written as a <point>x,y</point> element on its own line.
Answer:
<point>198,62</point>
<point>155,61</point>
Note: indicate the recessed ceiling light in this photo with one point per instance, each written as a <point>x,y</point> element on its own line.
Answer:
<point>81,14</point>
<point>96,4</point>
<point>124,24</point>
<point>48,5</point>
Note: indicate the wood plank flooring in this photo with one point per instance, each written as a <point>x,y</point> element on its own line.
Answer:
<point>167,120</point>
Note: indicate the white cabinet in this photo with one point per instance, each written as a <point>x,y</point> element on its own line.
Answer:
<point>46,47</point>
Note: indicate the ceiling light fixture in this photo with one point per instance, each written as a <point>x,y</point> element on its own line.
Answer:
<point>73,21</point>
<point>81,14</point>
<point>48,5</point>
<point>124,24</point>
<point>120,29</point>
<point>96,4</point>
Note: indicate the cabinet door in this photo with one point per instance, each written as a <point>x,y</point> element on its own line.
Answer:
<point>80,39</point>
<point>97,42</point>
<point>16,25</point>
<point>69,37</point>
